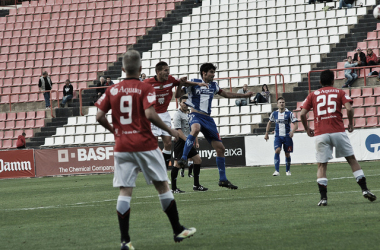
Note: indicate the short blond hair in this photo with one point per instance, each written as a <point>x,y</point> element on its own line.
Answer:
<point>132,62</point>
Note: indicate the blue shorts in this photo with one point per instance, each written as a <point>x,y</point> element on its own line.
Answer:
<point>208,126</point>
<point>284,141</point>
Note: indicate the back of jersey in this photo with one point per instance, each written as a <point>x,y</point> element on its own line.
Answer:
<point>128,101</point>
<point>327,105</point>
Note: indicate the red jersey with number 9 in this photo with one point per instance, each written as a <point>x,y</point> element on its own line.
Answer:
<point>128,101</point>
<point>327,105</point>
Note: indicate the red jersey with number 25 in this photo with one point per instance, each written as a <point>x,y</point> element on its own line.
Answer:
<point>128,101</point>
<point>327,105</point>
<point>164,92</point>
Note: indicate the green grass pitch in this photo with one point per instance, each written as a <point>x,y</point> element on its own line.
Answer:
<point>266,212</point>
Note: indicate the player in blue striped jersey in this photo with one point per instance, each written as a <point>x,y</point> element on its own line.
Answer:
<point>283,134</point>
<point>199,100</point>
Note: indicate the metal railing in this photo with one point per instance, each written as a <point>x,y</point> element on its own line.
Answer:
<point>337,70</point>
<point>238,77</point>
<point>36,92</point>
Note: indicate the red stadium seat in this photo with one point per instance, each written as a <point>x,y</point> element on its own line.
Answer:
<point>21,116</point>
<point>359,112</point>
<point>376,91</point>
<point>40,123</point>
<point>41,114</point>
<point>372,121</point>
<point>20,124</point>
<point>28,132</point>
<point>3,116</point>
<point>359,122</point>
<point>8,134</point>
<point>11,116</point>
<point>358,102</point>
<point>29,124</point>
<point>378,100</point>
<point>369,101</point>
<point>370,111</point>
<point>31,115</point>
<point>1,135</point>
<point>356,93</point>
<point>367,92</point>
<point>7,144</point>
<point>9,124</point>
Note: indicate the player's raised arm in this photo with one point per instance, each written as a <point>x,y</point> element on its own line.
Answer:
<point>152,116</point>
<point>187,83</point>
<point>180,91</point>
<point>235,95</point>
<point>267,130</point>
<point>350,116</point>
<point>102,119</point>
<point>309,131</point>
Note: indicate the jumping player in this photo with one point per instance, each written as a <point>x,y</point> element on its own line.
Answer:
<point>136,148</point>
<point>163,84</point>
<point>329,132</point>
<point>181,124</point>
<point>200,99</point>
<point>283,135</point>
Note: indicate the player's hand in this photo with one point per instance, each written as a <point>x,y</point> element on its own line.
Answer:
<point>249,94</point>
<point>310,132</point>
<point>174,133</point>
<point>350,128</point>
<point>183,80</point>
<point>266,137</point>
<point>196,145</point>
<point>202,84</point>
<point>291,134</point>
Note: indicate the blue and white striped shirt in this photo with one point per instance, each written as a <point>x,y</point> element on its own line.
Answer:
<point>200,98</point>
<point>283,121</point>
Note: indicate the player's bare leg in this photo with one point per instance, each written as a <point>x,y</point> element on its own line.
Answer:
<point>169,206</point>
<point>195,129</point>
<point>221,164</point>
<point>360,177</point>
<point>277,161</point>
<point>197,170</point>
<point>322,183</point>
<point>288,161</point>
<point>123,211</point>
<point>174,175</point>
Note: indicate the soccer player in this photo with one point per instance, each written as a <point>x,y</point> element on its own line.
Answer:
<point>181,124</point>
<point>136,148</point>
<point>329,132</point>
<point>283,134</point>
<point>200,98</point>
<point>163,84</point>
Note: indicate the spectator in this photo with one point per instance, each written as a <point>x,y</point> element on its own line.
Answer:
<point>242,101</point>
<point>100,84</point>
<point>263,97</point>
<point>371,58</point>
<point>21,141</point>
<point>45,84</point>
<point>109,82</point>
<point>67,93</point>
<point>360,57</point>
<point>142,77</point>
<point>346,3</point>
<point>350,73</point>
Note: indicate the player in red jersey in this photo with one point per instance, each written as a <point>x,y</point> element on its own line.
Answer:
<point>329,132</point>
<point>163,84</point>
<point>132,103</point>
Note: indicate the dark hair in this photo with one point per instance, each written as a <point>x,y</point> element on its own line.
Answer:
<point>349,57</point>
<point>108,77</point>
<point>262,88</point>
<point>327,78</point>
<point>23,133</point>
<point>280,98</point>
<point>160,65</point>
<point>206,67</point>
<point>183,98</point>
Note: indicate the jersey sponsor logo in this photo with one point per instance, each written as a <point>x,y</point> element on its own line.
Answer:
<point>317,92</point>
<point>151,97</point>
<point>161,100</point>
<point>14,166</point>
<point>114,91</point>
<point>101,99</point>
<point>83,154</point>
<point>228,152</point>
<point>347,97</point>
<point>372,143</point>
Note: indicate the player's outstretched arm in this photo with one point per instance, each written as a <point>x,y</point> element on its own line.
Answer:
<point>152,116</point>
<point>179,91</point>
<point>350,116</point>
<point>309,131</point>
<point>187,83</point>
<point>267,130</point>
<point>102,119</point>
<point>236,95</point>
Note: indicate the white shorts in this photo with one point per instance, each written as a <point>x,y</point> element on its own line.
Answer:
<point>128,164</point>
<point>165,117</point>
<point>324,146</point>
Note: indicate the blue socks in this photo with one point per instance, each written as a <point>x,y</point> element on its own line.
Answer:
<point>188,145</point>
<point>221,163</point>
<point>288,161</point>
<point>277,162</point>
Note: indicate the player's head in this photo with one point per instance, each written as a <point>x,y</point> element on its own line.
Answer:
<point>264,88</point>
<point>281,102</point>
<point>327,78</point>
<point>132,64</point>
<point>182,104</point>
<point>208,72</point>
<point>162,71</point>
